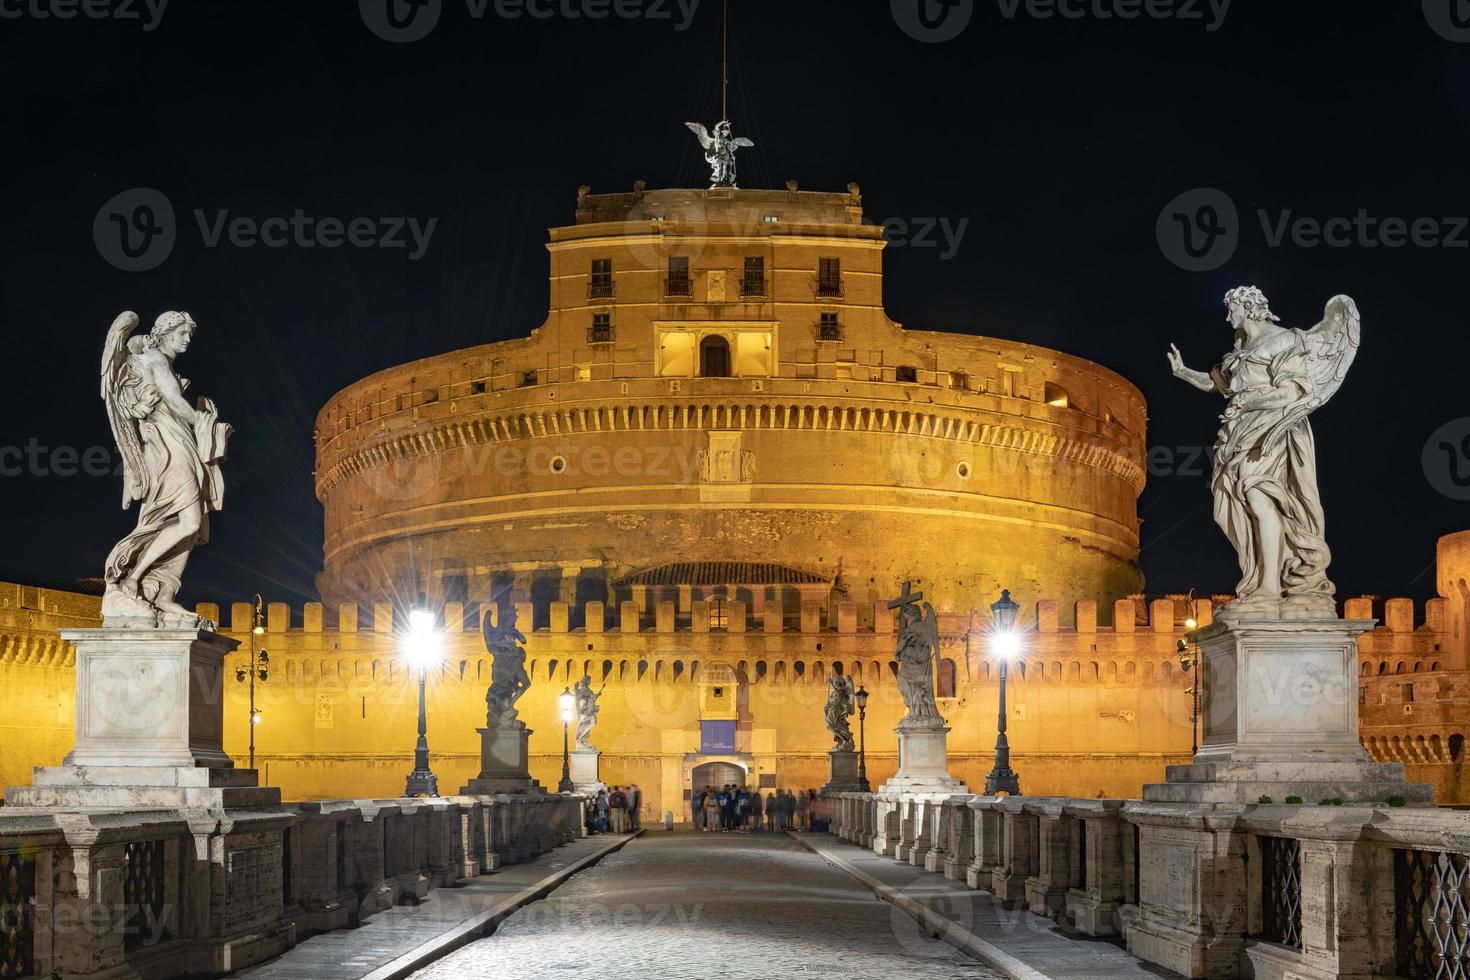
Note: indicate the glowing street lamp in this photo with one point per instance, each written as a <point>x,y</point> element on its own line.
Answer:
<point>259,667</point>
<point>568,703</point>
<point>423,647</point>
<point>1190,661</point>
<point>860,698</point>
<point>1007,644</point>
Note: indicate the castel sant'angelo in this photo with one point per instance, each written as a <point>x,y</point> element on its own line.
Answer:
<point>700,482</point>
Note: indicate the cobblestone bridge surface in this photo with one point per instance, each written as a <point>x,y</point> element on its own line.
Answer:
<point>692,906</point>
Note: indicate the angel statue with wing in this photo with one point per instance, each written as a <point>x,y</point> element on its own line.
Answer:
<point>839,709</point>
<point>586,704</point>
<point>719,150</point>
<point>508,677</point>
<point>1265,478</point>
<point>171,455</point>
<point>918,648</point>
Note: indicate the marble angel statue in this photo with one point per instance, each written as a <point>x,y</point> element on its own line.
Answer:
<point>586,703</point>
<point>719,150</point>
<point>918,647</point>
<point>1265,476</point>
<point>508,677</point>
<point>171,453</point>
<point>839,709</point>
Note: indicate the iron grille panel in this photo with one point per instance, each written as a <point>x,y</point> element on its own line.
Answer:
<point>1430,905</point>
<point>1281,891</point>
<point>142,891</point>
<point>1081,853</point>
<point>17,916</point>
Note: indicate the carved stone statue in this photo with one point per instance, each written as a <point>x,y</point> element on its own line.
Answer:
<point>719,151</point>
<point>918,646</point>
<point>586,700</point>
<point>171,466</point>
<point>839,709</point>
<point>508,678</point>
<point>1265,478</point>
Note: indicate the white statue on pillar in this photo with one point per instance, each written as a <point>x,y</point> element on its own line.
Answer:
<point>918,646</point>
<point>586,702</point>
<point>1265,477</point>
<point>171,465</point>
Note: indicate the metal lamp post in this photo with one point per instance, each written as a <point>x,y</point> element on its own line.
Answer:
<point>860,698</point>
<point>1191,663</point>
<point>568,704</point>
<point>422,648</point>
<point>259,667</point>
<point>1002,778</point>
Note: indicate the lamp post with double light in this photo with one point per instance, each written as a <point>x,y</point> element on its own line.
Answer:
<point>568,704</point>
<point>1002,778</point>
<point>422,648</point>
<point>259,668</point>
<point>1189,660</point>
<point>860,698</point>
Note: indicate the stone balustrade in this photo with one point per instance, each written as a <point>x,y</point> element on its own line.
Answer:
<point>1288,890</point>
<point>166,893</point>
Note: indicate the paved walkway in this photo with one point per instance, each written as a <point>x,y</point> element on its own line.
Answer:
<point>399,940</point>
<point>694,906</point>
<point>1021,945</point>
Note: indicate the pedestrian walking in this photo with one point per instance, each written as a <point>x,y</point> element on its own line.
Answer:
<point>617,804</point>
<point>602,811</point>
<point>755,809</point>
<point>635,802</point>
<point>711,810</point>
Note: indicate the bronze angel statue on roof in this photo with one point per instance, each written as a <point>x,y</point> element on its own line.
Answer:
<point>719,151</point>
<point>1265,477</point>
<point>171,455</point>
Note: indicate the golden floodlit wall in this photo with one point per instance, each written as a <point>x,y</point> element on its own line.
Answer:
<point>1093,708</point>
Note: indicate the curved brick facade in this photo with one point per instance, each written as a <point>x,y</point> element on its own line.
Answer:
<point>840,443</point>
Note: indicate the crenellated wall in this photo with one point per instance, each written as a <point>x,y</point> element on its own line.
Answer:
<point>1099,706</point>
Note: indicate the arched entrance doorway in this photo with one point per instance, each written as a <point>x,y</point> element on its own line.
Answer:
<point>714,357</point>
<point>716,774</point>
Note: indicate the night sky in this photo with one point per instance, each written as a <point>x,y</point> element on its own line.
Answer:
<point>1055,144</point>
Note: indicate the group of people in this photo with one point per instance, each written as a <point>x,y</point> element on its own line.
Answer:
<point>738,809</point>
<point>615,809</point>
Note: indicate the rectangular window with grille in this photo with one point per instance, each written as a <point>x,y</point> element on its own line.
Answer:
<point>143,907</point>
<point>829,328</point>
<point>829,277</point>
<point>601,283</point>
<point>17,915</point>
<point>678,283</point>
<point>1281,890</point>
<point>1430,895</point>
<point>753,281</point>
<point>601,331</point>
<point>906,373</point>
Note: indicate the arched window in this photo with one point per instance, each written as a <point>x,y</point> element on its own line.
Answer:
<point>1056,396</point>
<point>1457,747</point>
<point>946,678</point>
<point>714,357</point>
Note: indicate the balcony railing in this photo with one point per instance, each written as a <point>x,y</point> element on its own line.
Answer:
<point>600,335</point>
<point>753,287</point>
<point>829,287</point>
<point>600,289</point>
<point>679,286</point>
<point>829,332</point>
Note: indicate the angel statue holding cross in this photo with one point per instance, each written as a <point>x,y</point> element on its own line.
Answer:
<point>918,646</point>
<point>1265,477</point>
<point>719,150</point>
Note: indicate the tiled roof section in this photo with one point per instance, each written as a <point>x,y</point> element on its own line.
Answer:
<point>723,573</point>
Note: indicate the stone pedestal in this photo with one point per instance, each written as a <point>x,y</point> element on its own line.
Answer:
<point>585,770</point>
<point>149,726</point>
<point>504,763</point>
<point>1280,718</point>
<point>923,764</point>
<point>843,769</point>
